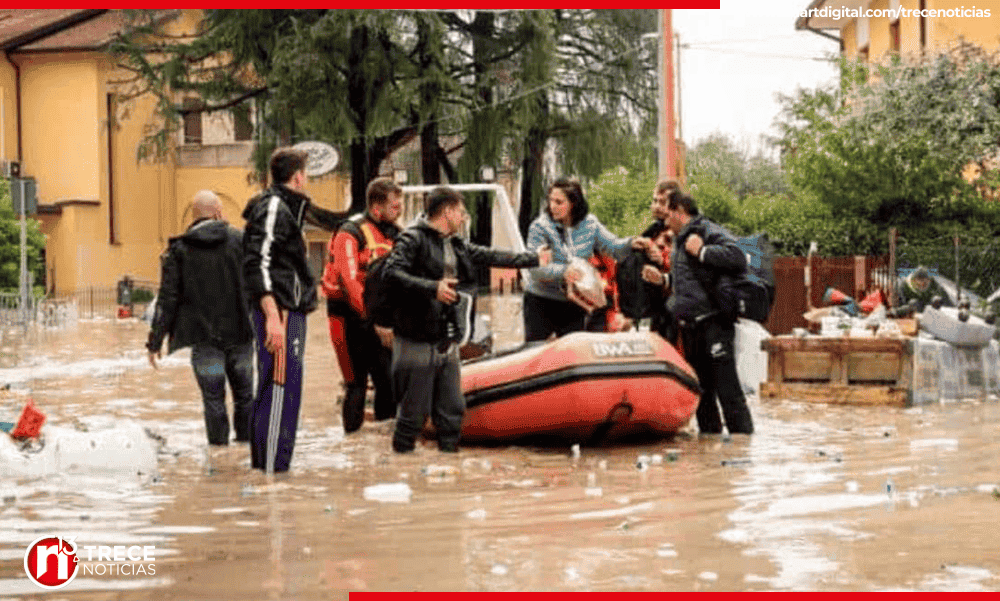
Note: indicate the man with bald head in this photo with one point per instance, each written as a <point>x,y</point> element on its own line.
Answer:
<point>202,304</point>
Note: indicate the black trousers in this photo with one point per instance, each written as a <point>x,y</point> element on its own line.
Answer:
<point>545,316</point>
<point>360,354</point>
<point>708,347</point>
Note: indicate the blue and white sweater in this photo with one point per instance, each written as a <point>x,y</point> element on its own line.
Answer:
<point>581,240</point>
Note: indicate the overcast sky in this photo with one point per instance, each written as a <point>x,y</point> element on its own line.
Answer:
<point>739,57</point>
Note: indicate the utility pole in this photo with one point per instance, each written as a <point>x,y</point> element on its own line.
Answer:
<point>680,114</point>
<point>667,122</point>
<point>24,254</point>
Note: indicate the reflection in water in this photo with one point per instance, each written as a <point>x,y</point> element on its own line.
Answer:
<point>821,498</point>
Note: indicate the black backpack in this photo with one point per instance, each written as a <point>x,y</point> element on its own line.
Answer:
<point>749,294</point>
<point>637,298</point>
<point>377,294</point>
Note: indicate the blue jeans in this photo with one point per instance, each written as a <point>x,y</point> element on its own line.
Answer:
<point>212,366</point>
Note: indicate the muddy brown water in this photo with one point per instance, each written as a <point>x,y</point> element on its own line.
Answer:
<point>821,498</point>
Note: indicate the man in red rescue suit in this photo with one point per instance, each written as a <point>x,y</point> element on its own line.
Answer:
<point>363,347</point>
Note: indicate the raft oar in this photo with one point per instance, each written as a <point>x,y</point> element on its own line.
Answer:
<point>277,397</point>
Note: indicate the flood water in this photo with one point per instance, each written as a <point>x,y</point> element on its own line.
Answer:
<point>826,498</point>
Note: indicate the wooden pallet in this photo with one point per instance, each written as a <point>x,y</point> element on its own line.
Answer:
<point>841,370</point>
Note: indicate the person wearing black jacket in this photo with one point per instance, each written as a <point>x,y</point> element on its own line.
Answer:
<point>201,304</point>
<point>703,251</point>
<point>282,291</point>
<point>426,265</point>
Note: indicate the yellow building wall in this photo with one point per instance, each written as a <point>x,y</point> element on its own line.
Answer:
<point>60,123</point>
<point>944,30</point>
<point>909,29</point>
<point>849,35</point>
<point>878,33</point>
<point>8,116</point>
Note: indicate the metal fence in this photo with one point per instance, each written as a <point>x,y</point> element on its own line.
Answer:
<point>956,264</point>
<point>11,311</point>
<point>56,310</point>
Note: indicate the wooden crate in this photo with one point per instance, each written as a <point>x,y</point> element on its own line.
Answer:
<point>841,370</point>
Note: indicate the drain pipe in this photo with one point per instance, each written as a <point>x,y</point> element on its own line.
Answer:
<point>17,102</point>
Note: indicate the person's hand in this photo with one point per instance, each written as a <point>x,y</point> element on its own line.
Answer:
<point>572,275</point>
<point>694,244</point>
<point>544,255</point>
<point>385,336</point>
<point>620,323</point>
<point>575,297</point>
<point>274,340</point>
<point>153,356</point>
<point>641,243</point>
<point>655,254</point>
<point>446,290</point>
<point>652,275</point>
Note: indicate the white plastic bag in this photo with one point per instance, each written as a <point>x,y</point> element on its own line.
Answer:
<point>588,291</point>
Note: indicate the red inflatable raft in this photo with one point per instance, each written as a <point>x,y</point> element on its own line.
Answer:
<point>586,387</point>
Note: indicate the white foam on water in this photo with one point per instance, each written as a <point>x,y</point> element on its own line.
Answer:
<point>398,492</point>
<point>807,505</point>
<point>44,368</point>
<point>958,579</point>
<point>611,513</point>
<point>945,444</point>
<point>174,530</point>
<point>228,510</point>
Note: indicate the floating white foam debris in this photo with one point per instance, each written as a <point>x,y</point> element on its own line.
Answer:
<point>125,448</point>
<point>439,471</point>
<point>398,492</point>
<point>805,505</point>
<point>529,483</point>
<point>611,513</point>
<point>228,510</point>
<point>476,514</point>
<point>851,486</point>
<point>593,491</point>
<point>712,576</point>
<point>945,444</point>
<point>969,572</point>
<point>666,551</point>
<point>174,530</point>
<point>499,570</point>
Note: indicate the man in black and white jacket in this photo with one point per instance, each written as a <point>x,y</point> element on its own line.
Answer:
<point>282,292</point>
<point>702,251</point>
